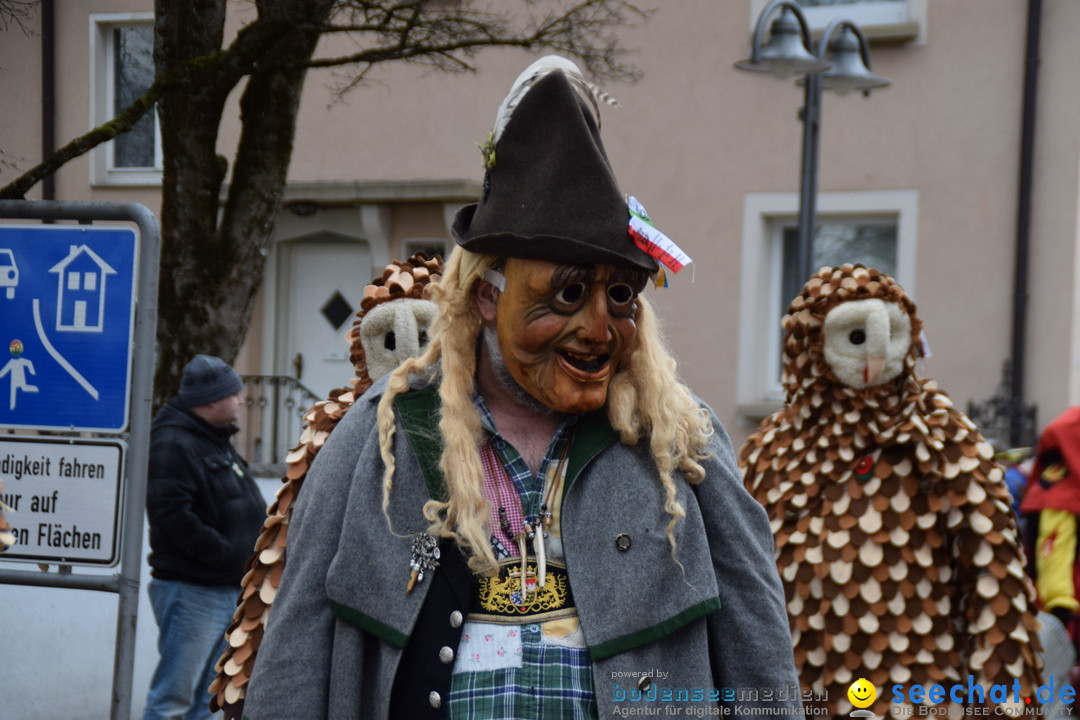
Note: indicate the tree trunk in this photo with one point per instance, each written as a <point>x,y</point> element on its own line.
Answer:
<point>211,268</point>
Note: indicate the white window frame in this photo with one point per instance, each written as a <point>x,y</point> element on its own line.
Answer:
<point>759,391</point>
<point>875,17</point>
<point>102,87</point>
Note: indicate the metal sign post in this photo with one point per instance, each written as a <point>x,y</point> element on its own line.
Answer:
<point>78,317</point>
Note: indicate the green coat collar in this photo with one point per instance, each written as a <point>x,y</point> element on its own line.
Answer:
<point>419,413</point>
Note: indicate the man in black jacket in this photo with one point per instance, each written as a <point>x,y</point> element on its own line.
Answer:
<point>205,512</point>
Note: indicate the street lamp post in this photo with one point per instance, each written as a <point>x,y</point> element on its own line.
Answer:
<point>811,119</point>
<point>841,63</point>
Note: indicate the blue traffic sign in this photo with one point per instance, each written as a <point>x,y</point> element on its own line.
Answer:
<point>67,314</point>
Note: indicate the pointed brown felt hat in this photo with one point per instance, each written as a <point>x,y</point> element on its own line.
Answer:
<point>551,194</point>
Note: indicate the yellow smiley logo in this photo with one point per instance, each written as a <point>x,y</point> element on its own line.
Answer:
<point>862,693</point>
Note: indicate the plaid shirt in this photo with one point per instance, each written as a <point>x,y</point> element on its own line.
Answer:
<point>539,671</point>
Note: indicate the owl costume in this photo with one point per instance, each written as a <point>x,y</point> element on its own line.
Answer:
<point>899,553</point>
<point>391,325</point>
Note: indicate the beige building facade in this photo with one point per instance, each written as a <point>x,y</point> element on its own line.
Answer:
<point>922,177</point>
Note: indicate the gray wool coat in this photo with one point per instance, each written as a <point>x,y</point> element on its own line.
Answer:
<point>709,630</point>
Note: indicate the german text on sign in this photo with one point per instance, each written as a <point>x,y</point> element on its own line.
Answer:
<point>64,498</point>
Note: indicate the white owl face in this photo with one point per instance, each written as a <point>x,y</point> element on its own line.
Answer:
<point>393,332</point>
<point>866,342</point>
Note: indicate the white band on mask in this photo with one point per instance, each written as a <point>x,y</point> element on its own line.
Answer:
<point>496,278</point>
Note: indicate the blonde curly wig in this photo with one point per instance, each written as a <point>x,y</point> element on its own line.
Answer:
<point>645,401</point>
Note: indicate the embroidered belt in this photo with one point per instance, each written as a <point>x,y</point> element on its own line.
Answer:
<point>507,600</point>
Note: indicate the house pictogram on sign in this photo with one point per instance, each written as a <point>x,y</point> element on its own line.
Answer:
<point>66,346</point>
<point>80,299</point>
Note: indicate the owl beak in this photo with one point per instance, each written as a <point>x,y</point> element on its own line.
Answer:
<point>872,371</point>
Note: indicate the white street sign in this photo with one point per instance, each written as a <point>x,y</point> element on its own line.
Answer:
<point>65,498</point>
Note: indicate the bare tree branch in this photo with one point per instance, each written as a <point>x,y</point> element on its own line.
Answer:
<point>122,123</point>
<point>17,13</point>
<point>447,39</point>
<point>438,36</point>
<point>444,36</point>
<point>223,68</point>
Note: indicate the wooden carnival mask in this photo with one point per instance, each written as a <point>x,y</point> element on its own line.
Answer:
<point>564,330</point>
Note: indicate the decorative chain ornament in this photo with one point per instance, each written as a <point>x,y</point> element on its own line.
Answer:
<point>425,558</point>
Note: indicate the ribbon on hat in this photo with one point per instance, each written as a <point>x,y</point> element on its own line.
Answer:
<point>658,245</point>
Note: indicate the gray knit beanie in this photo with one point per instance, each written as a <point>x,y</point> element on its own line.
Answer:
<point>206,379</point>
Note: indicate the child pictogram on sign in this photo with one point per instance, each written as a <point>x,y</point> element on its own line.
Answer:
<point>17,368</point>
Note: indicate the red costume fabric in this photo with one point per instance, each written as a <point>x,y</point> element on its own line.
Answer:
<point>1055,477</point>
<point>1052,504</point>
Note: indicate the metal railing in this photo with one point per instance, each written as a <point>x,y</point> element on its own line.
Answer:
<point>272,422</point>
<point>1002,419</point>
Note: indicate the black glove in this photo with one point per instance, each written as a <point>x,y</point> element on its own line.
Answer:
<point>1065,616</point>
